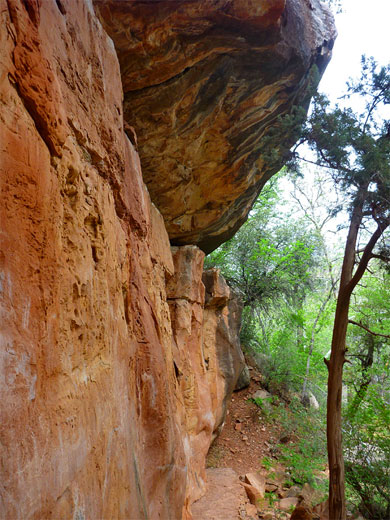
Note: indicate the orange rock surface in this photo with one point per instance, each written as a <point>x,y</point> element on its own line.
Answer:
<point>89,408</point>
<point>94,421</point>
<point>115,366</point>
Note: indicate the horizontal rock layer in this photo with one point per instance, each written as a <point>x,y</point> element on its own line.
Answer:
<point>204,85</point>
<point>108,406</point>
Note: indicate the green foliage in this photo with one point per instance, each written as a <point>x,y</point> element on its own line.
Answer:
<point>367,412</point>
<point>267,463</point>
<point>265,407</point>
<point>271,497</point>
<point>273,262</point>
<point>281,264</point>
<point>355,148</point>
<point>367,454</point>
<point>270,258</point>
<point>305,454</point>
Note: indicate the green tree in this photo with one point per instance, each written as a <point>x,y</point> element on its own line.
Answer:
<point>366,417</point>
<point>355,148</point>
<point>273,262</point>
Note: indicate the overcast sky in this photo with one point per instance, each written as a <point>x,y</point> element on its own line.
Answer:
<point>363,28</point>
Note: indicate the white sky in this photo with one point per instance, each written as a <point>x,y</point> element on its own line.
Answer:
<point>363,28</point>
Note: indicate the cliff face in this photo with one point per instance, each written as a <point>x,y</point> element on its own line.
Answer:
<point>204,84</point>
<point>88,385</point>
<point>116,362</point>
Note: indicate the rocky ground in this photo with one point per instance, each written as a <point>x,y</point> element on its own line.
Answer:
<point>245,440</point>
<point>241,482</point>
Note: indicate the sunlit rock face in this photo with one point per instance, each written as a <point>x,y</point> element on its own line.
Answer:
<point>204,83</point>
<point>108,405</point>
<point>90,410</point>
<point>116,359</point>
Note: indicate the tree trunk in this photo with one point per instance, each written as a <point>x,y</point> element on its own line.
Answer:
<point>337,509</point>
<point>348,281</point>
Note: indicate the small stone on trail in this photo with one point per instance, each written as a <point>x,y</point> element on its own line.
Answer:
<point>253,494</point>
<point>261,394</point>
<point>271,488</point>
<point>251,510</point>
<point>294,491</point>
<point>244,438</point>
<point>302,512</point>
<point>286,503</point>
<point>257,481</point>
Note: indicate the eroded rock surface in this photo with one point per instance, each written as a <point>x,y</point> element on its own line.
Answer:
<point>90,411</point>
<point>106,413</point>
<point>112,383</point>
<point>221,343</point>
<point>204,84</point>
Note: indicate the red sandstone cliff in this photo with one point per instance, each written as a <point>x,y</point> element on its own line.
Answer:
<point>115,371</point>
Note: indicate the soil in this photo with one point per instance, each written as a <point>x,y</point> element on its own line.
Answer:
<point>246,437</point>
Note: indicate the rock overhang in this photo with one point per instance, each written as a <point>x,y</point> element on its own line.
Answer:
<point>205,84</point>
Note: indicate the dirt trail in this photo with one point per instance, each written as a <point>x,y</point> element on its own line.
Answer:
<point>245,439</point>
<point>237,459</point>
<point>244,442</point>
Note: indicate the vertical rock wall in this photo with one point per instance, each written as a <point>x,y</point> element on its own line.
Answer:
<point>105,410</point>
<point>207,354</point>
<point>221,342</point>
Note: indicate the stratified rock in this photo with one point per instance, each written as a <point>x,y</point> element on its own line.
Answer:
<point>112,383</point>
<point>204,85</point>
<point>207,354</point>
<point>90,413</point>
<point>185,293</point>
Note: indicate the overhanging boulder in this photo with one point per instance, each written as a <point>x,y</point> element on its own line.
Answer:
<point>204,84</point>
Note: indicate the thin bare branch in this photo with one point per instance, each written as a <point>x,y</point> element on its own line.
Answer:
<point>387,336</point>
